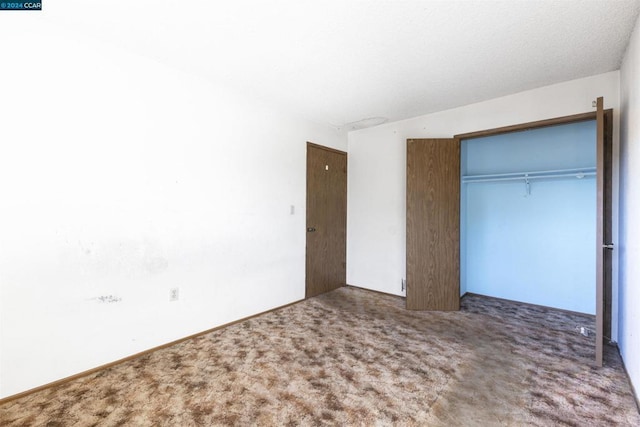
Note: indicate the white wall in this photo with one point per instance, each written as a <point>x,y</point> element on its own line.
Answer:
<point>122,178</point>
<point>377,159</point>
<point>629,247</point>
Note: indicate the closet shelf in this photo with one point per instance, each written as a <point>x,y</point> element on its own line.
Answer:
<point>527,176</point>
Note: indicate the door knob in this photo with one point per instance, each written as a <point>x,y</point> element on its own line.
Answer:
<point>311,229</point>
<point>609,246</point>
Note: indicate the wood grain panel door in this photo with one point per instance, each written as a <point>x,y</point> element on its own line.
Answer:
<point>604,245</point>
<point>326,252</point>
<point>608,223</point>
<point>433,224</point>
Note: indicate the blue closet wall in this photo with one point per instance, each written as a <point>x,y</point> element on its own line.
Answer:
<point>536,247</point>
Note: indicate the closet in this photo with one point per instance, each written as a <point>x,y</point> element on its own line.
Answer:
<point>534,203</point>
<point>528,216</point>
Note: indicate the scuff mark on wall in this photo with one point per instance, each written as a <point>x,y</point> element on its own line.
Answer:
<point>107,299</point>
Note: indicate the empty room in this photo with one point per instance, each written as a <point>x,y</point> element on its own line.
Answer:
<point>357,212</point>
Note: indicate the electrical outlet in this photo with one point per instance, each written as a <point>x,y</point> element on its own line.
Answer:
<point>174,294</point>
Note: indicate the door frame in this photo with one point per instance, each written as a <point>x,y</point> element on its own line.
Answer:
<point>604,292</point>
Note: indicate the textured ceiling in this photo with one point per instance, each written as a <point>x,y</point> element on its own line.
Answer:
<point>341,62</point>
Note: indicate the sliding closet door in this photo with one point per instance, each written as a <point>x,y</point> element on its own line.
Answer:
<point>433,224</point>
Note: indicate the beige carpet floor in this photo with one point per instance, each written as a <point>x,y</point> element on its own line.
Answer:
<point>354,357</point>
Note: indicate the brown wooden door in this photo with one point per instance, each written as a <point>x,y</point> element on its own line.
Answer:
<point>326,219</point>
<point>604,246</point>
<point>433,224</point>
<point>608,218</point>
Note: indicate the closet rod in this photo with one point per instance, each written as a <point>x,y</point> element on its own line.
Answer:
<point>524,177</point>
<point>572,171</point>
